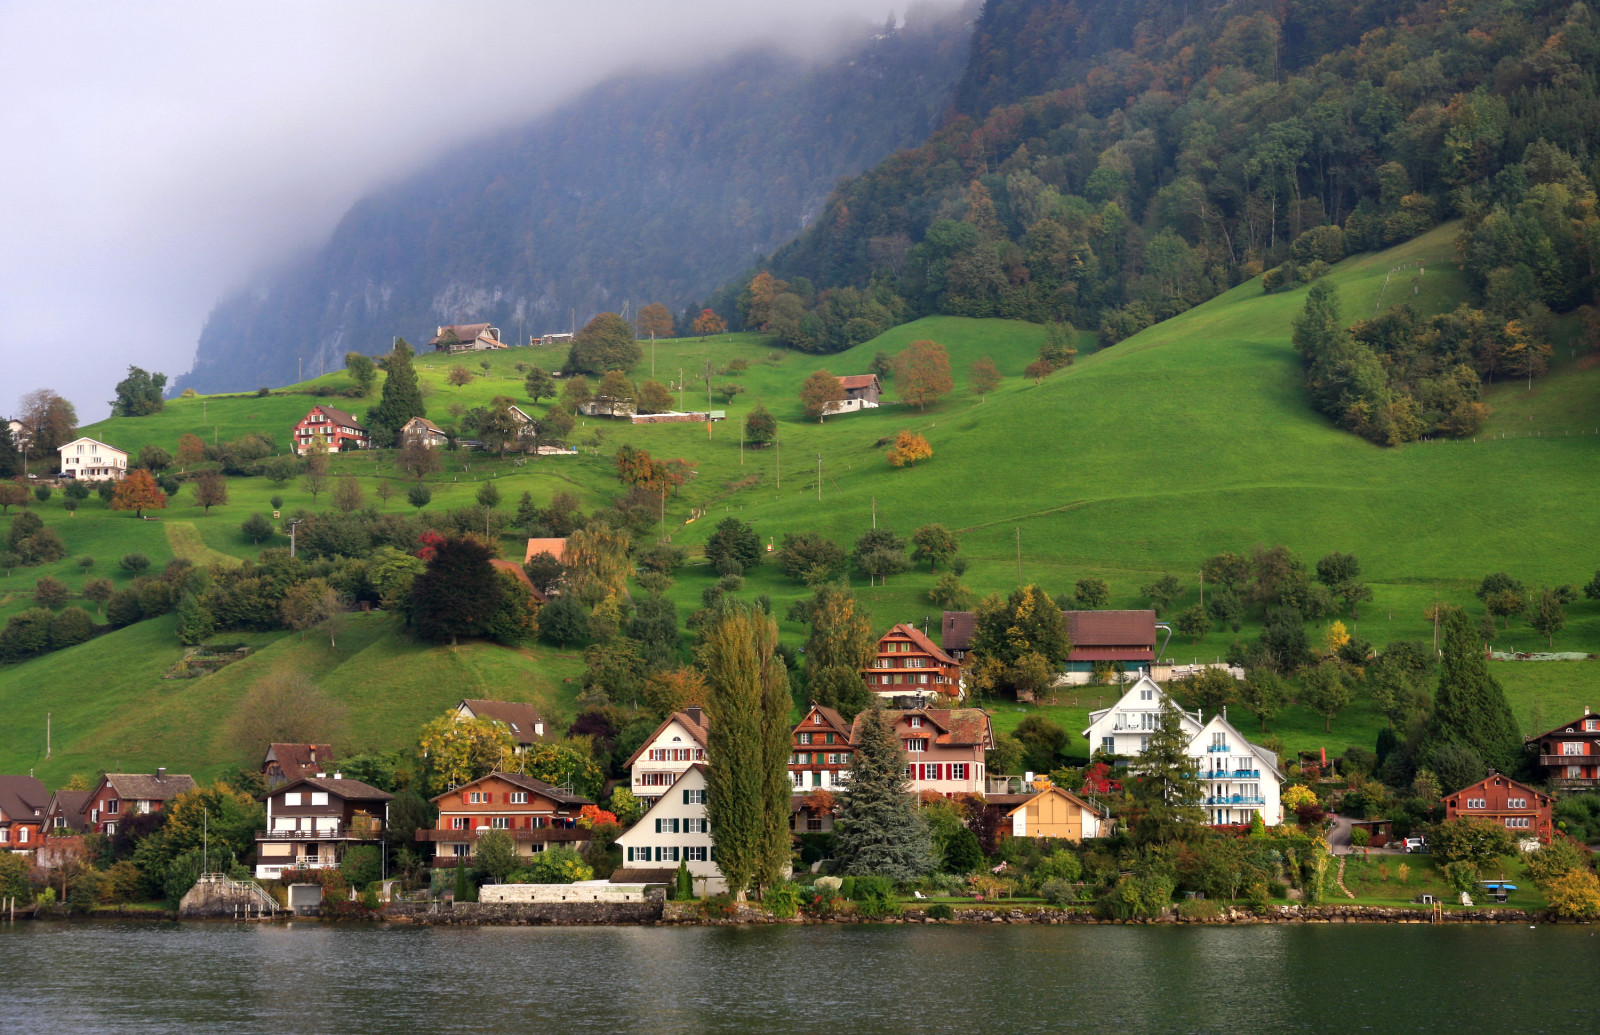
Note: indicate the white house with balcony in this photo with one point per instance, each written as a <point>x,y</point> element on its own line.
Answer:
<point>312,821</point>
<point>92,460</point>
<point>1241,778</point>
<point>677,743</point>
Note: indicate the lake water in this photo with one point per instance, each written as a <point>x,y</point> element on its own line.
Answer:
<point>307,977</point>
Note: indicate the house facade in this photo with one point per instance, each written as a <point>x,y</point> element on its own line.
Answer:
<point>945,747</point>
<point>1098,638</point>
<point>673,830</point>
<point>820,753</point>
<point>313,821</point>
<point>1058,813</point>
<point>1241,779</point>
<point>1124,728</point>
<point>861,392</point>
<point>666,754</point>
<point>335,429</point>
<point>286,762</point>
<point>535,815</point>
<point>92,460</point>
<point>420,431</point>
<point>911,666</point>
<point>119,795</point>
<point>65,814</point>
<point>1569,755</point>
<point>23,802</point>
<point>518,718</point>
<point>466,337</point>
<point>1523,811</point>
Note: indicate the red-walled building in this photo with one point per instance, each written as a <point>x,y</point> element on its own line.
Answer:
<point>120,795</point>
<point>1523,811</point>
<point>1569,755</point>
<point>336,429</point>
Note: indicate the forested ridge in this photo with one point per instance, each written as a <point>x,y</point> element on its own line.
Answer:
<point>1111,164</point>
<point>653,187</point>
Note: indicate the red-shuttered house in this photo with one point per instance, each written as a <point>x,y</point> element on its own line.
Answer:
<point>945,747</point>
<point>1569,755</point>
<point>23,801</point>
<point>1523,811</point>
<point>131,794</point>
<point>335,429</point>
<point>820,757</point>
<point>534,813</point>
<point>912,666</point>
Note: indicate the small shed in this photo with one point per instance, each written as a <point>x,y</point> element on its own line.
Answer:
<point>305,898</point>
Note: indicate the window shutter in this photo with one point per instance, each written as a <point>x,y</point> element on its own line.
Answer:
<point>658,824</point>
<point>686,796</point>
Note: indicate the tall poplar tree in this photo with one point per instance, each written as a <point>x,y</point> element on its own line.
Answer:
<point>747,780</point>
<point>879,830</point>
<point>402,396</point>
<point>1470,707</point>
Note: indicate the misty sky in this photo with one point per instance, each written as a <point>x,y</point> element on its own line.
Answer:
<point>160,154</point>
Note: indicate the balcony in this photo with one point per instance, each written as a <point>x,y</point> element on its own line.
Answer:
<point>336,834</point>
<point>1233,799</point>
<point>1569,760</point>
<point>520,836</point>
<point>1233,774</point>
<point>1219,749</point>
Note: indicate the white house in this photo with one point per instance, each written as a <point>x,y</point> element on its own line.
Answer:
<point>1125,727</point>
<point>92,459</point>
<point>677,743</point>
<point>674,829</point>
<point>1241,778</point>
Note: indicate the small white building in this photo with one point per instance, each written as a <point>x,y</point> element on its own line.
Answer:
<point>677,743</point>
<point>92,459</point>
<point>1125,727</point>
<point>673,830</point>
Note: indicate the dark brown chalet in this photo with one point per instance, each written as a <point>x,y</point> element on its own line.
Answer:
<point>286,762</point>
<point>312,821</point>
<point>65,814</point>
<point>533,812</point>
<point>118,795</point>
<point>821,751</point>
<point>335,429</point>
<point>1523,811</point>
<point>909,665</point>
<point>1569,755</point>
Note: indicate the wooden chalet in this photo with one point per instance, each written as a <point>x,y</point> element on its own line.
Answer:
<point>1569,755</point>
<point>861,392</point>
<point>420,431</point>
<point>466,337</point>
<point>820,755</point>
<point>1523,811</point>
<point>913,667</point>
<point>337,430</point>
<point>532,812</point>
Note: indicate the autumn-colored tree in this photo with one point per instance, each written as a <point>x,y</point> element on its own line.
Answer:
<point>654,398</point>
<point>675,689</point>
<point>708,323</point>
<point>191,450</point>
<point>211,491</point>
<point>461,750</point>
<point>50,419</point>
<point>909,447</point>
<point>1038,370</point>
<point>922,373</point>
<point>1338,636</point>
<point>459,375</point>
<point>138,492</point>
<point>347,495</point>
<point>764,288</point>
<point>820,391</point>
<point>655,320</point>
<point>597,563</point>
<point>983,376</point>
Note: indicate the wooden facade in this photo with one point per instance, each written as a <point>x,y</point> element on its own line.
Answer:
<point>532,812</point>
<point>1054,812</point>
<point>313,821</point>
<point>820,751</point>
<point>910,665</point>
<point>131,794</point>
<point>337,430</point>
<point>1523,811</point>
<point>1569,755</point>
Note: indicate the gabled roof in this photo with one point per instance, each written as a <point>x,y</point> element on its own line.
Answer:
<point>299,759</point>
<point>527,783</point>
<point>149,786</point>
<point>1575,726</point>
<point>23,798</point>
<point>463,332</point>
<point>424,423</point>
<point>956,629</point>
<point>517,716</point>
<point>69,806</point>
<point>1144,680</point>
<point>92,441</point>
<point>829,716</point>
<point>1220,721</point>
<point>695,771</point>
<point>556,548</point>
<point>952,727</point>
<point>338,416</point>
<point>349,790</point>
<point>849,381</point>
<point>1055,789</point>
<point>924,644</point>
<point>521,576</point>
<point>1533,793</point>
<point>1111,628</point>
<point>696,731</point>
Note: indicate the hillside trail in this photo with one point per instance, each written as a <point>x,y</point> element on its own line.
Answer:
<point>1339,878</point>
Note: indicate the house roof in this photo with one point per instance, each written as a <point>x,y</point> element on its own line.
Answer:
<point>521,576</point>
<point>464,332</point>
<point>149,786</point>
<point>830,716</point>
<point>349,790</point>
<point>1189,718</point>
<point>849,381</point>
<point>92,441</point>
<point>955,727</point>
<point>696,730</point>
<point>296,759</point>
<point>924,644</point>
<point>656,875</point>
<point>518,716</point>
<point>1575,726</point>
<point>424,423</point>
<point>338,416</point>
<point>1055,789</point>
<point>1535,794</point>
<point>69,806</point>
<point>527,783</point>
<point>1086,631</point>
<point>556,548</point>
<point>1270,758</point>
<point>23,796</point>
<point>956,628</point>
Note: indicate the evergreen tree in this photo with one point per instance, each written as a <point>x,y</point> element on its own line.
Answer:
<point>195,623</point>
<point>1167,790</point>
<point>457,593</point>
<point>879,830</point>
<point>10,455</point>
<point>1470,707</point>
<point>401,398</point>
<point>747,784</point>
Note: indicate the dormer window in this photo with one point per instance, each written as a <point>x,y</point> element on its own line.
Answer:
<point>916,722</point>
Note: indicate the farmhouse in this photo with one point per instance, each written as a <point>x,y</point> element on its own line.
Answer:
<point>1098,638</point>
<point>466,337</point>
<point>677,744</point>
<point>287,762</point>
<point>861,392</point>
<point>23,801</point>
<point>131,794</point>
<point>420,431</point>
<point>1569,755</point>
<point>335,429</point>
<point>524,724</point>
<point>946,747</point>
<point>91,459</point>
<point>1519,808</point>
<point>821,750</point>
<point>532,812</point>
<point>313,821</point>
<point>910,666</point>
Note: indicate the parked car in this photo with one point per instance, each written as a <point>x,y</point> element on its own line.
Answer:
<point>1415,844</point>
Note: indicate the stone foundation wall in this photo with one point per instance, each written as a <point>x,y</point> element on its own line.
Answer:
<point>504,893</point>
<point>516,913</point>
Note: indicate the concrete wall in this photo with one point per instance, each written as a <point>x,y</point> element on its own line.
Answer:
<point>588,891</point>
<point>647,912</point>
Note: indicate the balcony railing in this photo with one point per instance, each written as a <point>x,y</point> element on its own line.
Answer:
<point>1219,748</point>
<point>1234,774</point>
<point>336,834</point>
<point>1569,759</point>
<point>536,835</point>
<point>1233,799</point>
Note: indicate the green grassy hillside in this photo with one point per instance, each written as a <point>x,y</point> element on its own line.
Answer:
<point>1142,459</point>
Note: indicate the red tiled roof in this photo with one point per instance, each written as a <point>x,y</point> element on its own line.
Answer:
<point>924,644</point>
<point>527,783</point>
<point>556,548</point>
<point>858,380</point>
<point>296,759</point>
<point>956,629</point>
<point>830,716</point>
<point>696,730</point>
<point>521,575</point>
<point>337,416</point>
<point>957,727</point>
<point>1111,628</point>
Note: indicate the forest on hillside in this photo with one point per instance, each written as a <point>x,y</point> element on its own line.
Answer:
<point>1176,151</point>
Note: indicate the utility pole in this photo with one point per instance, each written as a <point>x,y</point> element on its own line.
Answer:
<point>874,512</point>
<point>819,477</point>
<point>47,736</point>
<point>680,388</point>
<point>779,444</point>
<point>1202,589</point>
<point>292,525</point>
<point>1019,555</point>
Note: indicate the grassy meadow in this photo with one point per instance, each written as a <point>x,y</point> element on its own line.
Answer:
<point>1140,460</point>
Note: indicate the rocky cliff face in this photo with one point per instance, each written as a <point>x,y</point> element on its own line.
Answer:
<point>651,188</point>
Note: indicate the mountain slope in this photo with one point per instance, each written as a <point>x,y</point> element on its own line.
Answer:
<point>651,188</point>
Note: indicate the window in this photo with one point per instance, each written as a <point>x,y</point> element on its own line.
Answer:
<point>696,853</point>
<point>1147,695</point>
<point>803,758</point>
<point>814,823</point>
<point>1516,803</point>
<point>1475,803</point>
<point>657,779</point>
<point>1517,822</point>
<point>805,738</point>
<point>799,781</point>
<point>694,797</point>
<point>667,854</point>
<point>1572,747</point>
<point>958,771</point>
<point>459,822</point>
<point>519,797</point>
<point>816,779</point>
<point>113,807</point>
<point>477,798</point>
<point>666,826</point>
<point>1108,745</point>
<point>836,758</point>
<point>917,744</point>
<point>1591,724</point>
<point>830,738</point>
<point>696,826</point>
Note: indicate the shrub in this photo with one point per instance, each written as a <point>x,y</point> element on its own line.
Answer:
<point>1575,894</point>
<point>558,864</point>
<point>1561,855</point>
<point>1058,892</point>
<point>1477,841</point>
<point>134,562</point>
<point>1134,896</point>
<point>1200,909</point>
<point>874,897</point>
<point>941,911</point>
<point>1058,865</point>
<point>782,899</point>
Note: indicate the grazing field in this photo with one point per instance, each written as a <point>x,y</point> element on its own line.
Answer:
<point>1140,460</point>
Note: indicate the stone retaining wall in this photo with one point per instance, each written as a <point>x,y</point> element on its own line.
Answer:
<point>517,913</point>
<point>597,891</point>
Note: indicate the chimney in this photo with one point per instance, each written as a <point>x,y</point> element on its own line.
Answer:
<point>695,714</point>
<point>161,772</point>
